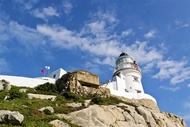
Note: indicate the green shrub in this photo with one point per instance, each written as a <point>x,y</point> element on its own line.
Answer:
<point>98,100</point>
<point>105,101</point>
<point>15,94</point>
<point>3,94</point>
<point>46,87</point>
<point>72,96</point>
<point>47,112</point>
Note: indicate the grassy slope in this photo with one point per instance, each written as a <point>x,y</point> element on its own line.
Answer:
<point>29,107</point>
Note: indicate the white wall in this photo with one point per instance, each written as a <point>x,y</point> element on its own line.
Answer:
<point>120,82</point>
<point>57,74</point>
<point>131,84</point>
<point>25,81</point>
<point>132,95</point>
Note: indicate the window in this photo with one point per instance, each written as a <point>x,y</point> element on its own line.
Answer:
<point>54,76</point>
<point>136,79</point>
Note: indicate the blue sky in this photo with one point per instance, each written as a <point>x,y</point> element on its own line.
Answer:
<point>90,35</point>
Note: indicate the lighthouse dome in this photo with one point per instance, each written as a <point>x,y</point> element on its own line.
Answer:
<point>125,61</point>
<point>124,58</point>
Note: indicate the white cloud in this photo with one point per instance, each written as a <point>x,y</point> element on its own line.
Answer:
<point>93,68</point>
<point>45,12</point>
<point>127,32</point>
<point>26,5</point>
<point>174,70</point>
<point>150,34</point>
<point>67,6</point>
<point>170,88</point>
<point>25,35</point>
<point>108,16</point>
<point>97,37</point>
<point>108,61</point>
<point>188,85</point>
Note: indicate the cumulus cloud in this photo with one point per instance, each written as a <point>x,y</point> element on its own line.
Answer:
<point>174,70</point>
<point>150,34</point>
<point>97,37</point>
<point>127,32</point>
<point>171,88</point>
<point>67,6</point>
<point>27,5</point>
<point>46,12</point>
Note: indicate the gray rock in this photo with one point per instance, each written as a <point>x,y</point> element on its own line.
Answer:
<point>41,96</point>
<point>74,105</point>
<point>48,108</point>
<point>12,117</point>
<point>23,90</point>
<point>123,115</point>
<point>4,85</point>
<point>58,123</point>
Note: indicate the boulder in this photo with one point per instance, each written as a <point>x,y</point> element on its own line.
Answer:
<point>48,108</point>
<point>4,85</point>
<point>74,105</point>
<point>23,90</point>
<point>59,123</point>
<point>41,96</point>
<point>11,117</point>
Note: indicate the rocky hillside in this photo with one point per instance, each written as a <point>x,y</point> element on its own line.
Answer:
<point>27,107</point>
<point>130,113</point>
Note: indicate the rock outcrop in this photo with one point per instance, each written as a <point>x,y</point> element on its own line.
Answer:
<point>11,117</point>
<point>123,115</point>
<point>4,85</point>
<point>58,123</point>
<point>41,96</point>
<point>47,108</point>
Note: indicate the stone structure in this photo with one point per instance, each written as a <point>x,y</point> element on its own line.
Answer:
<point>82,83</point>
<point>128,114</point>
<point>86,78</point>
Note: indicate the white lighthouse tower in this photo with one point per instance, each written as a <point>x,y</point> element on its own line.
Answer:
<point>126,80</point>
<point>128,74</point>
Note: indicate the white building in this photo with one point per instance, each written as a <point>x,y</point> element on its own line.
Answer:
<point>32,82</point>
<point>57,74</point>
<point>127,79</point>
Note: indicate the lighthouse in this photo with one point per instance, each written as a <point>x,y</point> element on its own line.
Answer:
<point>127,75</point>
<point>126,79</point>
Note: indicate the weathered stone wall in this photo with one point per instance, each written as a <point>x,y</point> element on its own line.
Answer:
<point>69,82</point>
<point>87,77</point>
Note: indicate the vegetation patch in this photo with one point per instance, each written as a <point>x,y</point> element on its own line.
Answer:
<point>18,101</point>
